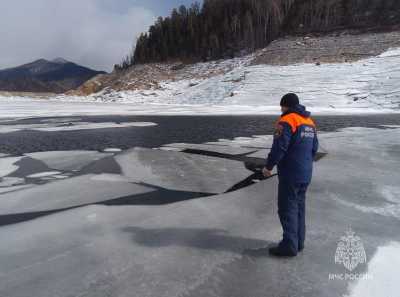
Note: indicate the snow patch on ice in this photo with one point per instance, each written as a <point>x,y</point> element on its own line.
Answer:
<point>110,178</point>
<point>61,120</point>
<point>71,126</point>
<point>174,149</point>
<point>383,274</point>
<point>7,165</point>
<point>9,188</point>
<point>391,209</point>
<point>391,126</point>
<point>92,217</point>
<point>44,174</point>
<point>390,53</point>
<point>112,150</point>
<point>391,194</point>
<point>11,181</point>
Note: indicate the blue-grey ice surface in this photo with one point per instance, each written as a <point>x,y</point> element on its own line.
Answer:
<point>70,231</point>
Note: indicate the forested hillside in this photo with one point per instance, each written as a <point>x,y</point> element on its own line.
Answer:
<point>223,28</point>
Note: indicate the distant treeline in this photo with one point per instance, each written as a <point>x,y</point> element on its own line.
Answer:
<point>223,28</point>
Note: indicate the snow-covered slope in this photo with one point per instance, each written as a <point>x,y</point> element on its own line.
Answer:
<point>369,85</point>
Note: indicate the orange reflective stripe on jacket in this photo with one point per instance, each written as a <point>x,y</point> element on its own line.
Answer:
<point>295,120</point>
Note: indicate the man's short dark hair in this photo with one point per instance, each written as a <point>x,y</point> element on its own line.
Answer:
<point>290,100</point>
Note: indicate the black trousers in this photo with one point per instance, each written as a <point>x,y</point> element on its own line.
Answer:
<point>292,212</point>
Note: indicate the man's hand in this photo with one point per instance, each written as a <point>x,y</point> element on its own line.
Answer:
<point>267,173</point>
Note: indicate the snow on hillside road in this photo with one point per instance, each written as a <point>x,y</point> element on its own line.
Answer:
<point>161,222</point>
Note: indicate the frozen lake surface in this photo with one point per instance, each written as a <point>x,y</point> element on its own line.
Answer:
<point>100,133</point>
<point>170,207</point>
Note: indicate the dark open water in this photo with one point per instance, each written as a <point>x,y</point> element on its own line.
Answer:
<point>170,129</point>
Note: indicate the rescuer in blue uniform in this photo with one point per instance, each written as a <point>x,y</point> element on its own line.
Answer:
<point>293,151</point>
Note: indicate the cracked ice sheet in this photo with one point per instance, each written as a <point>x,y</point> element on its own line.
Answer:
<point>68,160</point>
<point>256,141</point>
<point>194,248</point>
<point>72,192</point>
<point>181,171</point>
<point>101,241</point>
<point>256,146</point>
<point>170,170</point>
<point>189,249</point>
<point>217,148</point>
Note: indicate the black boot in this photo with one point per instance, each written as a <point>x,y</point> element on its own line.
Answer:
<point>278,251</point>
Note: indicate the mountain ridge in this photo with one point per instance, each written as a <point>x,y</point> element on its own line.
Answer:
<point>45,76</point>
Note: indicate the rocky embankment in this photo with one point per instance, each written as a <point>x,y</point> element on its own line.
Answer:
<point>338,47</point>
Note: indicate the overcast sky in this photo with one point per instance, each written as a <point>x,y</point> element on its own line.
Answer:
<point>94,33</point>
